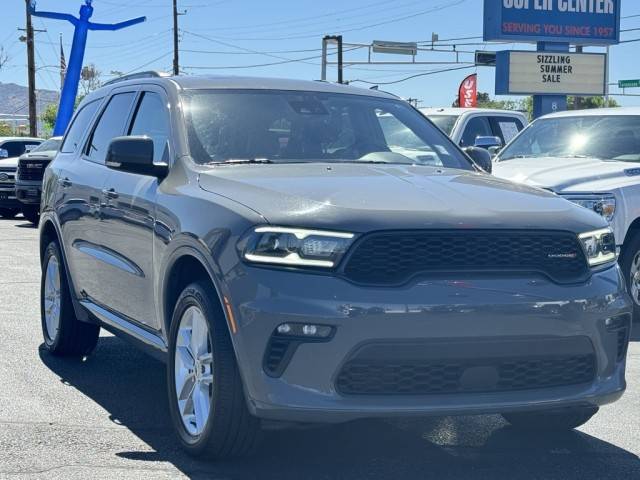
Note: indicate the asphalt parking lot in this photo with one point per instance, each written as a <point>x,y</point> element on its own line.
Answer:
<point>107,417</point>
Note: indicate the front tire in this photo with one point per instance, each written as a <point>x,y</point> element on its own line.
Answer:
<point>206,398</point>
<point>551,421</point>
<point>63,333</point>
<point>630,265</point>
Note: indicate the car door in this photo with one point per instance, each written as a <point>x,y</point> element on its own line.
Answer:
<point>80,212</point>
<point>129,215</point>
<point>476,126</point>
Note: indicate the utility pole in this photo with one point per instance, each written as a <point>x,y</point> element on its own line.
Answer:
<point>176,61</point>
<point>31,70</point>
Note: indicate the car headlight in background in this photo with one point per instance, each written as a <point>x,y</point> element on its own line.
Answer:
<point>604,205</point>
<point>599,246</point>
<point>296,247</point>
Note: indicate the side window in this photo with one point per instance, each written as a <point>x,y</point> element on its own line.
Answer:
<point>152,120</point>
<point>111,125</point>
<point>476,127</point>
<point>506,128</point>
<point>17,148</point>
<point>78,127</point>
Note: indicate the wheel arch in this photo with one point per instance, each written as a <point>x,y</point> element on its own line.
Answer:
<point>187,265</point>
<point>632,231</point>
<point>48,233</point>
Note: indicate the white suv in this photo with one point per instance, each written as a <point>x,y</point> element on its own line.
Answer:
<point>592,158</point>
<point>477,127</point>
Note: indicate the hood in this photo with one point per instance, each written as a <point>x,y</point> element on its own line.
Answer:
<point>568,175</point>
<point>11,162</point>
<point>361,197</point>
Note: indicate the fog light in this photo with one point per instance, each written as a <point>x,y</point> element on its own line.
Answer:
<point>284,329</point>
<point>304,330</point>
<point>309,330</point>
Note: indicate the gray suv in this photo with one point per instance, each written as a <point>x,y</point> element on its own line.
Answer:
<point>290,264</point>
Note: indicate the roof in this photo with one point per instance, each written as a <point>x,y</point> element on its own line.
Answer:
<point>460,111</point>
<point>204,82</point>
<point>596,112</point>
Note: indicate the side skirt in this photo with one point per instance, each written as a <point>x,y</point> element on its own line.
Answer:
<point>146,340</point>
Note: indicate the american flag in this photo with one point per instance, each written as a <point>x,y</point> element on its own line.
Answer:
<point>63,64</point>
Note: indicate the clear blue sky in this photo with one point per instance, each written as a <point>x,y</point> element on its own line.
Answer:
<point>226,33</point>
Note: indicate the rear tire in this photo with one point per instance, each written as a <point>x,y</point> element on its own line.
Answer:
<point>63,333</point>
<point>31,213</point>
<point>630,265</point>
<point>9,212</point>
<point>228,430</point>
<point>552,420</point>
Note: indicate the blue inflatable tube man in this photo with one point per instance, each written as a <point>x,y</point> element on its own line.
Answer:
<point>74,67</point>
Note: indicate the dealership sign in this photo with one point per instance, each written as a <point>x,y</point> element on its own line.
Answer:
<point>586,22</point>
<point>550,73</point>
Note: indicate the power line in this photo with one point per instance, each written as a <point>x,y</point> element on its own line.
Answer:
<point>354,27</point>
<point>423,74</point>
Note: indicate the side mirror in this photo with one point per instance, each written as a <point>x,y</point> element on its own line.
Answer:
<point>494,151</point>
<point>487,142</point>
<point>4,153</point>
<point>480,157</point>
<point>134,155</point>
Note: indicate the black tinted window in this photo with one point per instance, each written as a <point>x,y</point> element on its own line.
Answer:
<point>110,125</point>
<point>17,148</point>
<point>152,121</point>
<point>79,126</point>
<point>476,127</point>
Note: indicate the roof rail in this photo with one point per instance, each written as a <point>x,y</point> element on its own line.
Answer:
<point>133,76</point>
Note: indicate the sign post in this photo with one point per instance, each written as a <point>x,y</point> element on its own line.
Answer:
<point>553,25</point>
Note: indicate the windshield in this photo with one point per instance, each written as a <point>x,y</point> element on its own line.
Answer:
<point>51,145</point>
<point>284,126</point>
<point>604,137</point>
<point>444,122</point>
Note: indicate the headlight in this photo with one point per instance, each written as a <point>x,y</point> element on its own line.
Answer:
<point>604,205</point>
<point>599,246</point>
<point>297,247</point>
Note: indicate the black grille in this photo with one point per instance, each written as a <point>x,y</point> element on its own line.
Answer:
<point>448,377</point>
<point>389,258</point>
<point>275,354</point>
<point>31,170</point>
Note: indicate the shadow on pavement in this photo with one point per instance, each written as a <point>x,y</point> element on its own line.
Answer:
<point>131,387</point>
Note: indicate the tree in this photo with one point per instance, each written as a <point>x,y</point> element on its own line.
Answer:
<point>49,115</point>
<point>5,130</point>
<point>89,78</point>
<point>590,102</point>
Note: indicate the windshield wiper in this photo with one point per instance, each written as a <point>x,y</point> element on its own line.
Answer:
<point>241,161</point>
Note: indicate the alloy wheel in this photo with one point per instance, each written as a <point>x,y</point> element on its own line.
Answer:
<point>194,370</point>
<point>52,298</point>
<point>634,280</point>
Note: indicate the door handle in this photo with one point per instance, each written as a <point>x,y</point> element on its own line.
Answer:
<point>110,193</point>
<point>64,182</point>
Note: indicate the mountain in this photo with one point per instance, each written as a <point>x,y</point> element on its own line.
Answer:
<point>14,99</point>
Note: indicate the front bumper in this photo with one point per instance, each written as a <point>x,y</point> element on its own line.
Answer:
<point>29,192</point>
<point>470,309</point>
<point>8,197</point>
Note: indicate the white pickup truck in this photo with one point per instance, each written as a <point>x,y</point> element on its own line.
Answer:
<point>592,158</point>
<point>477,127</point>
